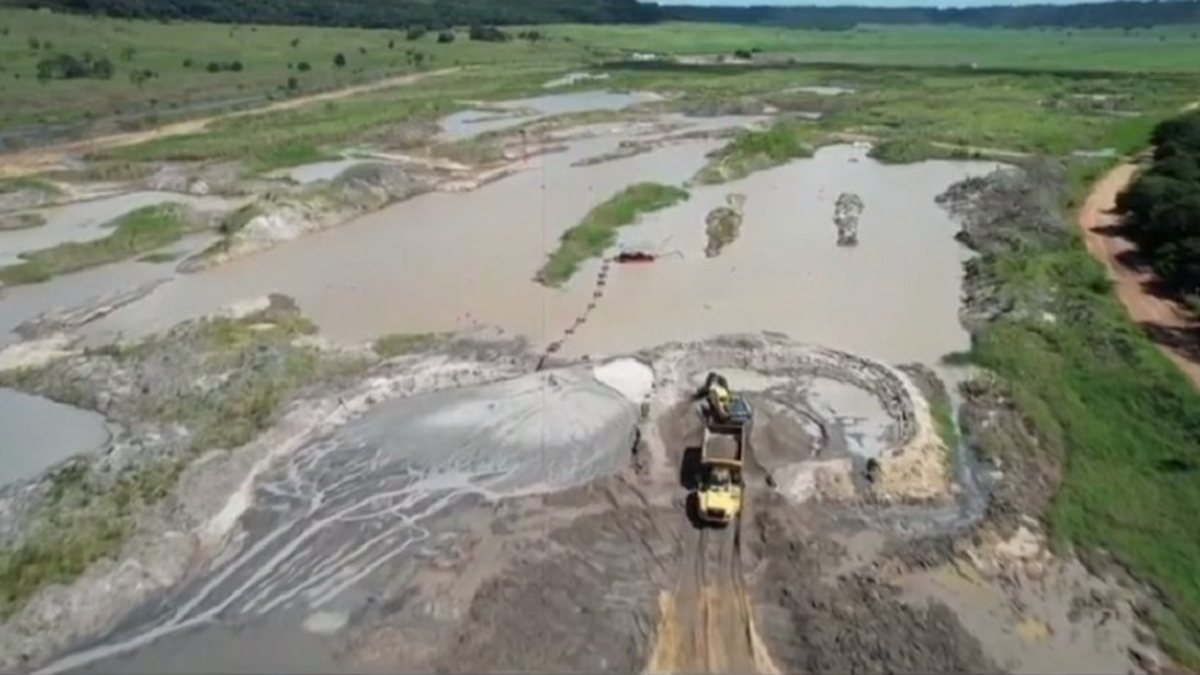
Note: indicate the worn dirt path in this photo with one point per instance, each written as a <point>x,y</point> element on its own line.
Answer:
<point>707,622</point>
<point>35,160</point>
<point>1169,323</point>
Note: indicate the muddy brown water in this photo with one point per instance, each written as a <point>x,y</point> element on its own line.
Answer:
<point>895,296</point>
<point>443,262</point>
<point>23,303</point>
<point>437,262</point>
<point>85,221</point>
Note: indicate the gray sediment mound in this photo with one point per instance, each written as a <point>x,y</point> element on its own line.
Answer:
<point>724,224</point>
<point>846,212</point>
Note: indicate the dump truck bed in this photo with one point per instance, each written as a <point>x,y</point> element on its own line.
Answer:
<point>726,446</point>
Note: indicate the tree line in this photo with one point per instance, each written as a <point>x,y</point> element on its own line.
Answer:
<point>1120,14</point>
<point>433,14</point>
<point>441,14</point>
<point>1162,207</point>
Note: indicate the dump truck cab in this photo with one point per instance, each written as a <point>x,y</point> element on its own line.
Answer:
<point>719,498</point>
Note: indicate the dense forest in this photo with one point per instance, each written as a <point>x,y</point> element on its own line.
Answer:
<point>442,13</point>
<point>1122,14</point>
<point>364,13</point>
<point>1162,207</point>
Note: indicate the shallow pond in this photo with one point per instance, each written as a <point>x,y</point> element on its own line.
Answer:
<point>36,433</point>
<point>447,260</point>
<point>505,115</point>
<point>311,173</point>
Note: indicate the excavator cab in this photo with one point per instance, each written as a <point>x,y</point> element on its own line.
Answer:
<point>721,408</point>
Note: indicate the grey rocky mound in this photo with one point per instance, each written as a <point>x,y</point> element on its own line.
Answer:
<point>846,212</point>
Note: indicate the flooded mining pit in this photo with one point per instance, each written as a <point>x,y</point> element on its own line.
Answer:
<point>468,515</point>
<point>478,252</point>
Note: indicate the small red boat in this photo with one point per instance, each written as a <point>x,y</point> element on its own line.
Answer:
<point>635,257</point>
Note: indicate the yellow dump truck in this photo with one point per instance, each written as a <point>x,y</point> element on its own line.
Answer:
<point>719,495</point>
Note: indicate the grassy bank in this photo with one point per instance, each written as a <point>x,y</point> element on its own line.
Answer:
<point>597,231</point>
<point>1097,391</point>
<point>757,150</point>
<point>133,234</point>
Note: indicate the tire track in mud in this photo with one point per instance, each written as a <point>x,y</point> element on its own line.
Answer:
<point>707,622</point>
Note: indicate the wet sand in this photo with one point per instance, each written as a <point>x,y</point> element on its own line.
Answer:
<point>467,123</point>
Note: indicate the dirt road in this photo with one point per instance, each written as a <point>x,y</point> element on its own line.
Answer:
<point>1172,325</point>
<point>35,160</point>
<point>706,623</point>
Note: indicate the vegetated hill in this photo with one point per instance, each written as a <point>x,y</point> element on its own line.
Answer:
<point>363,13</point>
<point>1120,14</point>
<point>1162,207</point>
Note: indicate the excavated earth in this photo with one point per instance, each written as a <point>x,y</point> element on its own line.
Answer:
<point>539,521</point>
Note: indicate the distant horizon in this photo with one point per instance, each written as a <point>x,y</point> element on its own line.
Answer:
<point>873,3</point>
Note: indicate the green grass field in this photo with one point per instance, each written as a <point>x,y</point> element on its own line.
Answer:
<point>1168,49</point>
<point>265,52</point>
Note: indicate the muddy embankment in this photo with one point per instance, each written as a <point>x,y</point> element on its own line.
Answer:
<point>1033,610</point>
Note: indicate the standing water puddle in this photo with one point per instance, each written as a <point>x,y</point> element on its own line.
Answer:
<point>311,173</point>
<point>863,421</point>
<point>467,123</point>
<point>36,433</point>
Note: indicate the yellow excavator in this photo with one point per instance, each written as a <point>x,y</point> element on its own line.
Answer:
<point>726,427</point>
